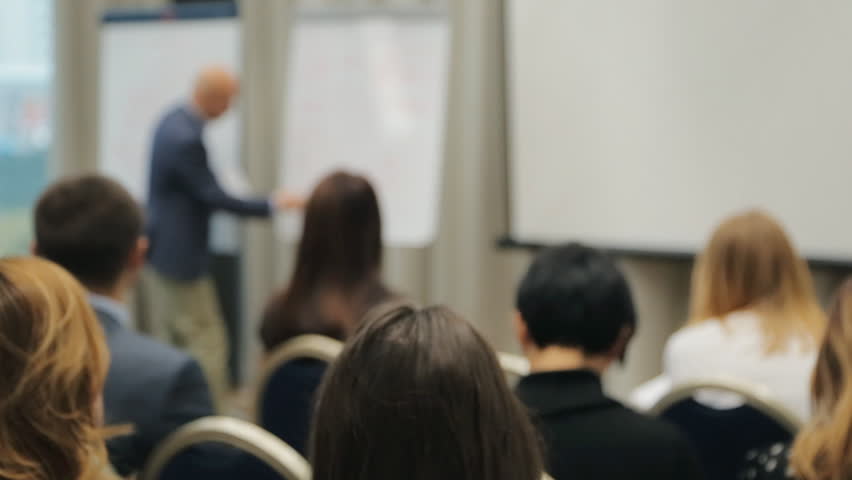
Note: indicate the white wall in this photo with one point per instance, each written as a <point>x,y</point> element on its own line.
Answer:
<point>462,269</point>
<point>664,117</point>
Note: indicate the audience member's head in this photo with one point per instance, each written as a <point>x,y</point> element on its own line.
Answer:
<point>337,276</point>
<point>54,363</point>
<point>573,299</point>
<point>822,448</point>
<point>751,264</point>
<point>417,394</point>
<point>92,227</point>
<point>215,89</point>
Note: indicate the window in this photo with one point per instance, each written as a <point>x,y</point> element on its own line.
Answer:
<point>26,72</point>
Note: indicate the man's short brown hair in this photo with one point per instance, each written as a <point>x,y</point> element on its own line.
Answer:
<point>89,225</point>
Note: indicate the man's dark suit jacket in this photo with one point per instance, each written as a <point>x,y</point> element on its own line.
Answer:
<point>182,194</point>
<point>591,437</point>
<point>152,386</point>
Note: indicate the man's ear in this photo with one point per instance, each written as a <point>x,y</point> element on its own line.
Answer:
<point>138,255</point>
<point>619,348</point>
<point>522,332</point>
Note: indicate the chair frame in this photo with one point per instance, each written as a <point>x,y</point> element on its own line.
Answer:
<point>233,432</point>
<point>317,347</point>
<point>326,349</point>
<point>753,397</point>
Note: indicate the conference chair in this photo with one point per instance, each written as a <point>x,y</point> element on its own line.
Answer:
<point>214,448</point>
<point>722,437</point>
<point>288,383</point>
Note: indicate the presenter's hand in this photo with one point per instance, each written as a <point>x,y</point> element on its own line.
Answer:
<point>288,201</point>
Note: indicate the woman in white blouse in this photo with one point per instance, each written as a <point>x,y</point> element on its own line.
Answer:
<point>754,316</point>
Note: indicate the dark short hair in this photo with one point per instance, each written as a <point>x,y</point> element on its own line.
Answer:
<point>575,296</point>
<point>89,225</point>
<point>417,394</point>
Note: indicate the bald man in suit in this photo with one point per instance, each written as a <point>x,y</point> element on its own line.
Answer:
<point>183,193</point>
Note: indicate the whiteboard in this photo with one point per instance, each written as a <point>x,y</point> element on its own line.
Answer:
<point>367,93</point>
<point>148,67</point>
<point>640,125</point>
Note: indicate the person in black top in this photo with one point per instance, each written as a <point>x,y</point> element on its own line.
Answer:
<point>575,318</point>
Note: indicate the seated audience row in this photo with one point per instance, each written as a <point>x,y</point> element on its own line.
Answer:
<point>576,318</point>
<point>431,382</point>
<point>410,376</point>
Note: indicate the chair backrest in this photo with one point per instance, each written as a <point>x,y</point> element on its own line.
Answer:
<point>318,347</point>
<point>290,378</point>
<point>722,437</point>
<point>244,443</point>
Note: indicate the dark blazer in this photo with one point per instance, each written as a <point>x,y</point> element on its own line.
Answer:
<point>589,436</point>
<point>150,385</point>
<point>182,194</point>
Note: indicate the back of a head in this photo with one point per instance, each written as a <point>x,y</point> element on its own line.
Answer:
<point>54,362</point>
<point>342,233</point>
<point>215,89</point>
<point>575,296</point>
<point>89,225</point>
<point>751,264</point>
<point>824,446</point>
<point>337,274</point>
<point>418,394</point>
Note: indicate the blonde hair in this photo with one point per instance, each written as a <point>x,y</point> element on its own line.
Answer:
<point>823,449</point>
<point>54,360</point>
<point>750,264</point>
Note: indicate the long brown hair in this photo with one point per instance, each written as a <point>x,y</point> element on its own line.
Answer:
<point>750,264</point>
<point>338,268</point>
<point>823,449</point>
<point>417,394</point>
<point>55,361</point>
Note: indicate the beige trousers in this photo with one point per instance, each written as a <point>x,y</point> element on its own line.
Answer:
<point>187,315</point>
